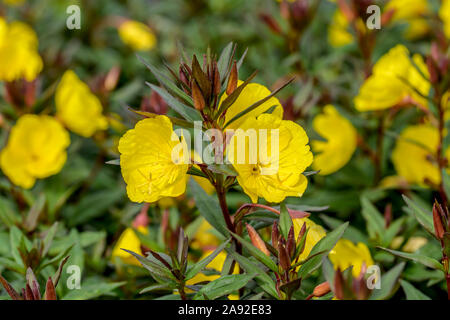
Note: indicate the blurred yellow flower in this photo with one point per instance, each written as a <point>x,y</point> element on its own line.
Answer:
<point>338,34</point>
<point>444,14</point>
<point>130,241</point>
<point>346,254</point>
<point>151,166</point>
<point>13,2</point>
<point>413,153</point>
<point>315,233</point>
<point>412,245</point>
<point>77,107</point>
<point>340,144</point>
<point>269,166</point>
<point>137,35</point>
<point>252,93</point>
<point>204,237</point>
<point>414,13</point>
<point>19,57</point>
<point>36,149</point>
<point>394,78</point>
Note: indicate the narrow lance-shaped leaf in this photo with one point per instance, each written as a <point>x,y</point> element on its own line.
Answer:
<point>209,208</point>
<point>9,289</point>
<point>426,261</point>
<point>166,82</point>
<point>425,219</point>
<point>185,111</point>
<point>285,221</point>
<point>199,266</point>
<point>176,121</point>
<point>265,281</point>
<point>411,292</point>
<point>224,286</point>
<point>152,267</point>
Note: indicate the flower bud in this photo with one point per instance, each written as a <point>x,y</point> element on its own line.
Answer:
<point>232,80</point>
<point>197,96</point>
<point>321,289</point>
<point>437,221</point>
<point>256,240</point>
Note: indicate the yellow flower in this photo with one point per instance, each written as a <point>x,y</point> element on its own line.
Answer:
<point>269,166</point>
<point>137,35</point>
<point>338,35</point>
<point>130,241</point>
<point>19,57</point>
<point>217,265</point>
<point>394,78</point>
<point>78,107</point>
<point>252,93</point>
<point>14,2</point>
<point>341,141</point>
<point>346,254</point>
<point>36,149</point>
<point>204,237</point>
<point>150,164</point>
<point>412,12</point>
<point>444,14</point>
<point>412,245</point>
<point>413,154</point>
<point>315,233</point>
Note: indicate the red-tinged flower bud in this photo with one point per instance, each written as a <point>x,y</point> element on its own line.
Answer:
<point>387,16</point>
<point>346,10</point>
<point>321,289</point>
<point>339,284</point>
<point>270,22</point>
<point>290,245</point>
<point>275,234</point>
<point>284,10</point>
<point>300,10</point>
<point>141,219</point>
<point>216,80</point>
<point>300,235</point>
<point>434,76</point>
<point>283,257</point>
<point>184,80</point>
<point>388,215</point>
<point>111,78</point>
<point>256,240</point>
<point>232,80</point>
<point>437,221</point>
<point>50,292</point>
<point>154,103</point>
<point>434,51</point>
<point>197,96</point>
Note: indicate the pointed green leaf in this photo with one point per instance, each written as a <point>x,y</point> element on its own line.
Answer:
<point>411,292</point>
<point>285,221</point>
<point>224,286</point>
<point>209,208</point>
<point>426,261</point>
<point>185,111</point>
<point>199,266</point>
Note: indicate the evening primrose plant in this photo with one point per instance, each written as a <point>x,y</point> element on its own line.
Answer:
<point>251,149</point>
